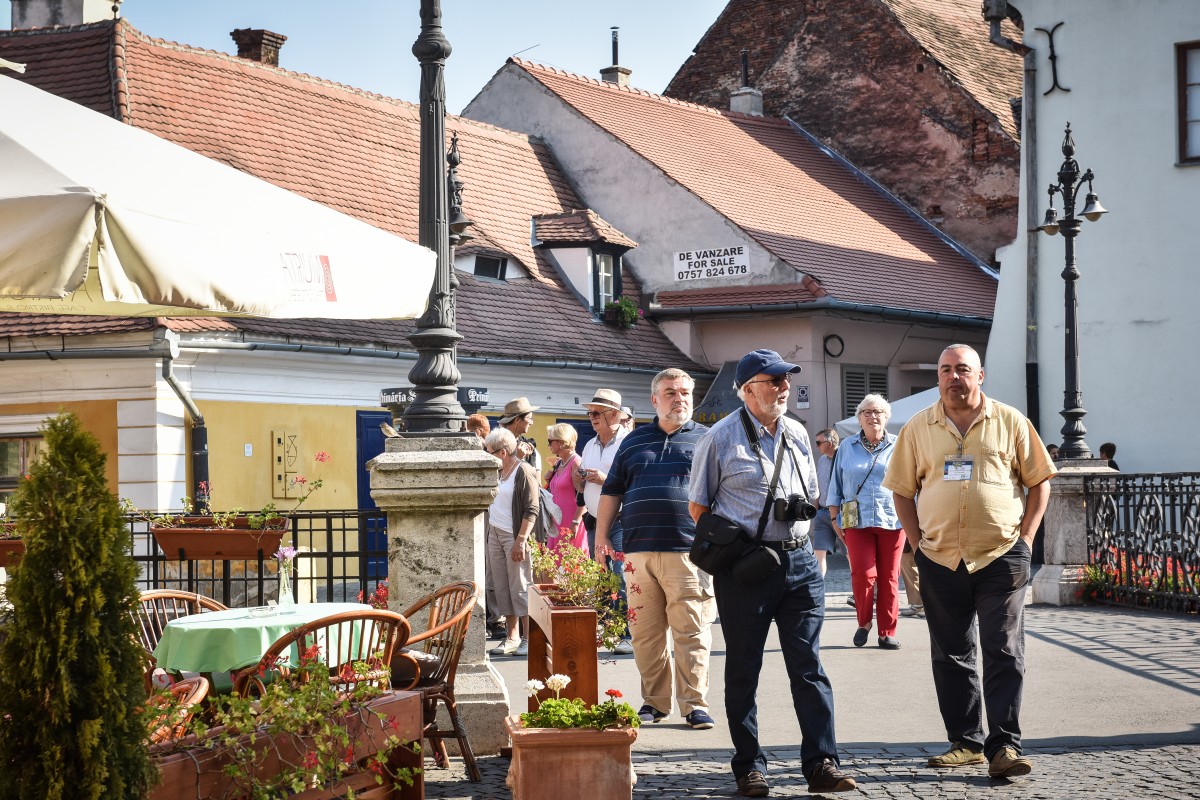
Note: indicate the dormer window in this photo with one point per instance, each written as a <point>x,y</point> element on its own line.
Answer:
<point>607,272</point>
<point>490,267</point>
<point>586,251</point>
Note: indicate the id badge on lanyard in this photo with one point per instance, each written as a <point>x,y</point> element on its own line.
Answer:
<point>958,468</point>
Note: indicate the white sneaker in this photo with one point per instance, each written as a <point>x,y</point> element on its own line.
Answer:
<point>508,647</point>
<point>913,611</point>
<point>624,647</point>
<point>522,648</point>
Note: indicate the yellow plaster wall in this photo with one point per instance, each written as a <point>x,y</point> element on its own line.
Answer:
<point>98,417</point>
<point>246,481</point>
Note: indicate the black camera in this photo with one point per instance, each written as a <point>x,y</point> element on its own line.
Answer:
<point>794,508</point>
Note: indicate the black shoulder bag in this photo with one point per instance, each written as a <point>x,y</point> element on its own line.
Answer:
<point>721,544</point>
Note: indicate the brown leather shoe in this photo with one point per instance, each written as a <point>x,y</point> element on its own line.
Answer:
<point>753,784</point>
<point>828,778</point>
<point>1008,763</point>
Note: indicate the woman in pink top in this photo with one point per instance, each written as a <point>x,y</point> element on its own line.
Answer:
<point>562,438</point>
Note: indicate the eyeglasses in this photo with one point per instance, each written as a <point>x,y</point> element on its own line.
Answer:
<point>777,381</point>
<point>821,441</point>
<point>872,412</point>
<point>595,414</point>
<point>498,451</point>
<point>552,441</point>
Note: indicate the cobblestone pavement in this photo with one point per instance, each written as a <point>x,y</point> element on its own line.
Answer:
<point>1170,772</point>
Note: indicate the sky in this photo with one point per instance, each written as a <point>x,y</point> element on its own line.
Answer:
<point>368,43</point>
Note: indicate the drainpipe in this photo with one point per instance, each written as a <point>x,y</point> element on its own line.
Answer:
<point>995,11</point>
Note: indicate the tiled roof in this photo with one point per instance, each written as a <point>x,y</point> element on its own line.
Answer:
<point>578,226</point>
<point>955,33</point>
<point>798,202</point>
<point>738,296</point>
<point>20,324</point>
<point>351,150</point>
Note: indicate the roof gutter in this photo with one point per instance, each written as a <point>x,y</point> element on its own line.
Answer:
<point>372,352</point>
<point>981,265</point>
<point>830,304</point>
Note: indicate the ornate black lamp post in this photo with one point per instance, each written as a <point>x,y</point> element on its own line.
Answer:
<point>1069,184</point>
<point>435,408</point>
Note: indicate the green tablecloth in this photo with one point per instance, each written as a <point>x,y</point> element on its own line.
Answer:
<point>220,641</point>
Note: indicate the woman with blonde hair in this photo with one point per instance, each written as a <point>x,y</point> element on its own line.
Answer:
<point>865,518</point>
<point>562,438</point>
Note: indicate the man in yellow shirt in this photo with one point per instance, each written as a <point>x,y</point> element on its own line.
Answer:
<point>970,479</point>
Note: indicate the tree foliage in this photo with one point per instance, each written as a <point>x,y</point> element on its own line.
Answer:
<point>70,666</point>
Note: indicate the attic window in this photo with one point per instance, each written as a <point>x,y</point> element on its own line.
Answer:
<point>606,281</point>
<point>491,267</point>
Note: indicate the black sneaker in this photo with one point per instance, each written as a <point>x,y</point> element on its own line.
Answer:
<point>753,784</point>
<point>828,778</point>
<point>649,713</point>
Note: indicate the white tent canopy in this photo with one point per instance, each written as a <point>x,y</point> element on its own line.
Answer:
<point>99,217</point>
<point>903,410</point>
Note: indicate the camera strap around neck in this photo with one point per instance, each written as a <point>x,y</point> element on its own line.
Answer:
<point>752,436</point>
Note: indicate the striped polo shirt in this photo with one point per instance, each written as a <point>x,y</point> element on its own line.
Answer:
<point>650,474</point>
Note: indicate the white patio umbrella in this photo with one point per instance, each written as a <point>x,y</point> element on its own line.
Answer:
<point>903,410</point>
<point>99,217</point>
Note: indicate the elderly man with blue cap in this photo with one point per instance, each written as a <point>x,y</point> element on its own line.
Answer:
<point>755,469</point>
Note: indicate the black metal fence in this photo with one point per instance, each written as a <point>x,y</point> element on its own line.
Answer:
<point>340,553</point>
<point>1144,540</point>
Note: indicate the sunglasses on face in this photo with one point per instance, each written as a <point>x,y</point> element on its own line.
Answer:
<point>778,381</point>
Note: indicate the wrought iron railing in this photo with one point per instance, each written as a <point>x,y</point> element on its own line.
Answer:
<point>1144,540</point>
<point>341,553</point>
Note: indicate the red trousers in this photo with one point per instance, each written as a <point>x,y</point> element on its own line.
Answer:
<point>875,563</point>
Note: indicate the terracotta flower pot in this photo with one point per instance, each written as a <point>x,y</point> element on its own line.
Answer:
<point>193,540</point>
<point>552,763</point>
<point>11,551</point>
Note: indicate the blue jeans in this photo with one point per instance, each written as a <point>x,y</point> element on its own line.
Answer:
<point>954,600</point>
<point>793,597</point>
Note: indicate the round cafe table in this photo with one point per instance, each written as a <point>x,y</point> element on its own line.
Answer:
<point>222,641</point>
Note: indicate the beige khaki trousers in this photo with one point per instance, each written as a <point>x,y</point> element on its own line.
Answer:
<point>667,594</point>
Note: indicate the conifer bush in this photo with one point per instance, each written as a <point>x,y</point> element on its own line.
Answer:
<point>70,666</point>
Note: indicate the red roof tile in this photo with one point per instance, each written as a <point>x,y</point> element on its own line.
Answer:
<point>825,220</point>
<point>356,152</point>
<point>578,226</point>
<point>778,294</point>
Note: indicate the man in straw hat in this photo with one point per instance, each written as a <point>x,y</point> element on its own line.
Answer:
<point>604,412</point>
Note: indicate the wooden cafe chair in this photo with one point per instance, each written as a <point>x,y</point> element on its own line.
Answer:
<point>157,607</point>
<point>367,636</point>
<point>440,621</point>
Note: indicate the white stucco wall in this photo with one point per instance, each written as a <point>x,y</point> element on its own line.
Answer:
<point>1139,264</point>
<point>625,189</point>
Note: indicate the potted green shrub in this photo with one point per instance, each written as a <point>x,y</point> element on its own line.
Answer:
<point>565,744</point>
<point>622,312</point>
<point>70,666</point>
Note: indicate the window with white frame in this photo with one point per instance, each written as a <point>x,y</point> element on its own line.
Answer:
<point>607,276</point>
<point>17,453</point>
<point>858,382</point>
<point>1187,59</point>
<point>491,267</point>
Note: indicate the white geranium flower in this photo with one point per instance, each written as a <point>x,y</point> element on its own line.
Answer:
<point>533,687</point>
<point>556,683</point>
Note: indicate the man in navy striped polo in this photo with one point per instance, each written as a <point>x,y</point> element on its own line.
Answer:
<point>648,487</point>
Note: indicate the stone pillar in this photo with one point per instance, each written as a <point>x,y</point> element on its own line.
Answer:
<point>1065,546</point>
<point>435,490</point>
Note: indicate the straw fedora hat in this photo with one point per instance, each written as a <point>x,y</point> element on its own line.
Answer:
<point>606,399</point>
<point>516,408</point>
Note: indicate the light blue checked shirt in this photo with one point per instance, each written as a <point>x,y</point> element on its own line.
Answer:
<point>730,479</point>
<point>850,468</point>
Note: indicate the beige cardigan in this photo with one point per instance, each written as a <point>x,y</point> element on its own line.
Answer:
<point>526,502</point>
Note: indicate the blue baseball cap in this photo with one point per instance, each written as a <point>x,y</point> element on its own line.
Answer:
<point>761,362</point>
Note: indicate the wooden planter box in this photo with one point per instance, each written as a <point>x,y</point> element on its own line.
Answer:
<point>562,640</point>
<point>553,763</point>
<point>198,772</point>
<point>193,541</point>
<point>11,550</point>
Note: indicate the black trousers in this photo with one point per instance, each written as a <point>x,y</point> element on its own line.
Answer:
<point>954,600</point>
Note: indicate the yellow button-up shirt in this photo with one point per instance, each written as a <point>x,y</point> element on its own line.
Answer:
<point>973,521</point>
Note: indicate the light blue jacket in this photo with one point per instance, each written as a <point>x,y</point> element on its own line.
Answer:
<point>850,467</point>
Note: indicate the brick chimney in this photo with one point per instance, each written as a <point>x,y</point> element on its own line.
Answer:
<point>616,74</point>
<point>258,45</point>
<point>52,13</point>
